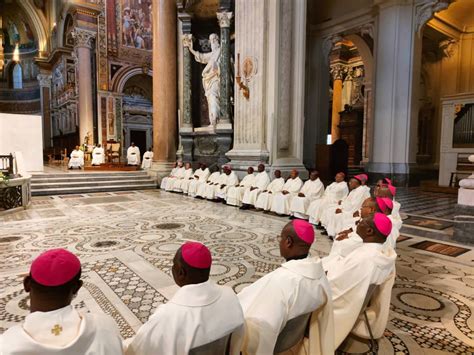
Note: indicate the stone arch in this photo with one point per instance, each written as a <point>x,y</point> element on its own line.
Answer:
<point>38,23</point>
<point>124,74</point>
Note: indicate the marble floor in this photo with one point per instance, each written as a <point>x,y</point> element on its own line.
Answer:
<point>126,241</point>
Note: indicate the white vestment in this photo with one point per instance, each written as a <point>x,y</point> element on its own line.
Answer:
<point>211,189</point>
<point>231,180</point>
<point>260,184</point>
<point>265,198</point>
<point>133,156</point>
<point>176,181</point>
<point>202,188</point>
<point>350,279</point>
<point>395,233</point>
<point>335,192</point>
<point>335,222</point>
<point>62,332</point>
<point>184,184</point>
<point>196,315</point>
<point>235,193</point>
<point>298,287</point>
<point>312,190</point>
<point>281,203</point>
<point>77,159</point>
<point>98,156</point>
<point>147,160</point>
<point>202,176</point>
<point>340,249</point>
<point>168,179</point>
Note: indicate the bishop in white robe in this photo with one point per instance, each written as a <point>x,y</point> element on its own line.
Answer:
<point>260,184</point>
<point>147,159</point>
<point>231,180</point>
<point>312,189</point>
<point>265,198</point>
<point>282,200</point>
<point>334,193</point>
<point>187,177</point>
<point>98,156</point>
<point>235,193</point>
<point>77,159</point>
<point>298,287</point>
<point>200,177</point>
<point>211,189</point>
<point>176,180</point>
<point>368,264</point>
<point>133,155</point>
<point>202,188</point>
<point>54,326</point>
<point>170,177</point>
<point>199,313</point>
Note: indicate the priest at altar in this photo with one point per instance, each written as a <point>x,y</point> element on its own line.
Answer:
<point>98,156</point>
<point>298,287</point>
<point>312,189</point>
<point>265,198</point>
<point>199,313</point>
<point>282,200</point>
<point>77,159</point>
<point>235,193</point>
<point>147,159</point>
<point>133,155</point>
<point>54,326</point>
<point>260,184</point>
<point>200,177</point>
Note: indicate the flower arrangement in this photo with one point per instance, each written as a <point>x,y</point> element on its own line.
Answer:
<point>4,178</point>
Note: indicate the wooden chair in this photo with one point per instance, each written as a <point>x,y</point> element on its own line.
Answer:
<point>113,151</point>
<point>292,333</point>
<point>463,168</point>
<point>217,347</point>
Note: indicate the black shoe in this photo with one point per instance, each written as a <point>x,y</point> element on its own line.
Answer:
<point>331,237</point>
<point>324,232</point>
<point>319,226</point>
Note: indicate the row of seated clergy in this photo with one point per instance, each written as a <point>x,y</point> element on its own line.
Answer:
<point>200,312</point>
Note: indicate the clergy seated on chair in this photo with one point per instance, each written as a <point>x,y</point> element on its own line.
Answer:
<point>370,263</point>
<point>388,190</point>
<point>265,198</point>
<point>200,177</point>
<point>202,187</point>
<point>199,313</point>
<point>262,180</point>
<point>181,175</point>
<point>178,175</point>
<point>296,288</point>
<point>396,221</point>
<point>147,159</point>
<point>212,188</point>
<point>54,326</point>
<point>333,218</point>
<point>334,193</point>
<point>312,189</point>
<point>77,159</point>
<point>231,180</point>
<point>168,179</point>
<point>235,193</point>
<point>188,176</point>
<point>133,155</point>
<point>98,156</point>
<point>282,200</point>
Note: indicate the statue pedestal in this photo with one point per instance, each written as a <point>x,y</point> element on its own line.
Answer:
<point>464,211</point>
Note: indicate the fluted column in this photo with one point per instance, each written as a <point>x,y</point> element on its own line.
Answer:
<point>45,89</point>
<point>84,40</point>
<point>224,19</point>
<point>164,84</point>
<point>337,72</point>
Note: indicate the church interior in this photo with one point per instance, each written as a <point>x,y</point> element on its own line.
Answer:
<point>132,131</point>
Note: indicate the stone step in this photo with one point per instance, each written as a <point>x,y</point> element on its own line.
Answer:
<point>88,175</point>
<point>84,178</point>
<point>88,183</point>
<point>80,190</point>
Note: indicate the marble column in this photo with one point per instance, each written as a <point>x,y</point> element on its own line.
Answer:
<point>45,94</point>
<point>224,19</point>
<point>164,86</point>
<point>337,74</point>
<point>84,40</point>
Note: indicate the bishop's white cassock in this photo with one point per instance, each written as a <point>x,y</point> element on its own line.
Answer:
<point>371,263</point>
<point>98,156</point>
<point>312,190</point>
<point>298,287</point>
<point>196,315</point>
<point>63,332</point>
<point>281,203</point>
<point>77,159</point>
<point>231,180</point>
<point>133,155</point>
<point>202,188</point>
<point>335,192</point>
<point>334,222</point>
<point>147,160</point>
<point>188,176</point>
<point>260,184</point>
<point>340,249</point>
<point>202,176</point>
<point>176,180</point>
<point>235,193</point>
<point>168,179</point>
<point>395,233</point>
<point>211,189</point>
<point>265,198</point>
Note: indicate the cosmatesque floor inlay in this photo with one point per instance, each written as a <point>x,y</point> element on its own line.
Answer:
<point>126,242</point>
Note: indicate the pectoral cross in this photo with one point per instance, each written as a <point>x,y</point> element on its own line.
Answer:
<point>57,329</point>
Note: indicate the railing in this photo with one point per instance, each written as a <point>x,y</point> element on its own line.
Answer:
<point>463,133</point>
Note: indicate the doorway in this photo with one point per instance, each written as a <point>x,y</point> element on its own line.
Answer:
<point>139,138</point>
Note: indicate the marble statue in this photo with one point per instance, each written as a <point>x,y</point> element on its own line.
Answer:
<point>210,75</point>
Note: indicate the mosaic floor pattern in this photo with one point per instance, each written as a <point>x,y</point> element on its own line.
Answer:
<point>127,240</point>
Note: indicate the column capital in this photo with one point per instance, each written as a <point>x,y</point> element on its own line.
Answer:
<point>337,71</point>
<point>44,80</point>
<point>83,38</point>
<point>224,18</point>
<point>425,9</point>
